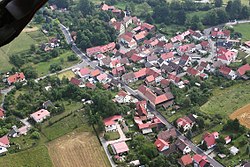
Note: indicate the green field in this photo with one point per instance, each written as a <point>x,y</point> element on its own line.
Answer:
<point>37,156</point>
<point>21,44</point>
<point>43,67</point>
<point>244,30</point>
<point>225,101</point>
<point>4,62</point>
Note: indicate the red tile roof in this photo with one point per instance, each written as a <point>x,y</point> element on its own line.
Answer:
<point>225,70</point>
<point>142,72</point>
<point>160,144</point>
<point>85,71</point>
<point>111,120</point>
<point>40,114</point>
<point>243,69</point>
<point>147,26</point>
<point>150,78</point>
<point>95,73</point>
<point>135,58</point>
<point>4,141</point>
<point>166,56</point>
<point>75,81</point>
<point>186,160</point>
<point>1,112</point>
<point>15,78</point>
<point>120,147</point>
<point>90,85</point>
<point>192,71</point>
<point>209,139</point>
<point>152,97</point>
<point>197,158</point>
<point>141,108</point>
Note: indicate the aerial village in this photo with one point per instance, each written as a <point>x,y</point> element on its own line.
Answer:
<point>145,65</point>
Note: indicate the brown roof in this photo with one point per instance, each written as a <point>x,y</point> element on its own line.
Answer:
<point>165,135</point>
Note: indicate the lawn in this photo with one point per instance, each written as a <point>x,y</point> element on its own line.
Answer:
<point>4,62</point>
<point>68,74</point>
<point>64,126</point>
<point>43,67</point>
<point>20,44</point>
<point>37,156</point>
<point>170,30</point>
<point>244,30</point>
<point>112,135</point>
<point>69,108</point>
<point>227,100</point>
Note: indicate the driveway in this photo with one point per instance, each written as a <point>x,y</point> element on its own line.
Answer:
<point>122,136</point>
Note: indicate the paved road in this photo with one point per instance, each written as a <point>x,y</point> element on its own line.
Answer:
<point>134,92</point>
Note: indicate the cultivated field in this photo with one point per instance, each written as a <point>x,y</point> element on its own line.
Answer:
<point>77,149</point>
<point>68,74</point>
<point>243,115</point>
<point>226,101</point>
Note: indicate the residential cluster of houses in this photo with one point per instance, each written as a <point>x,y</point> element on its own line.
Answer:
<point>37,116</point>
<point>53,43</point>
<point>87,77</point>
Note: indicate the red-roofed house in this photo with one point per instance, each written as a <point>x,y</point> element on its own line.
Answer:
<point>75,81</point>
<point>200,161</point>
<point>186,48</point>
<point>153,98</point>
<point>148,27</point>
<point>227,72</point>
<point>185,160</point>
<point>106,7</point>
<point>140,36</point>
<point>228,56</point>
<point>84,72</point>
<point>110,123</point>
<point>90,85</point>
<point>128,40</point>
<point>118,71</point>
<point>135,58</point>
<point>1,113</point>
<point>167,56</point>
<point>192,71</point>
<point>150,79</point>
<point>118,26</point>
<point>122,97</point>
<point>243,69</point>
<point>141,110</point>
<point>4,142</point>
<point>161,145</point>
<point>210,139</point>
<point>94,50</point>
<point>102,78</point>
<point>40,115</point>
<point>120,148</point>
<point>95,73</point>
<point>18,77</point>
<point>186,123</point>
<point>205,45</point>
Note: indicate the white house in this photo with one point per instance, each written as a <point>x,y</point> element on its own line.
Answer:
<point>110,123</point>
<point>233,150</point>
